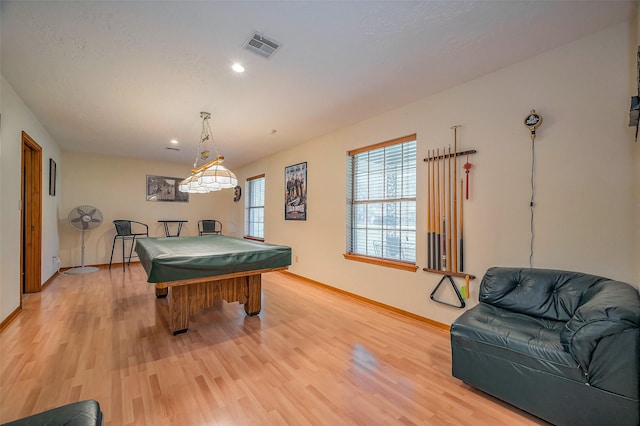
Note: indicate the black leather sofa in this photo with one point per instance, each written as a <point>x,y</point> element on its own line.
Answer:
<point>563,346</point>
<point>82,413</point>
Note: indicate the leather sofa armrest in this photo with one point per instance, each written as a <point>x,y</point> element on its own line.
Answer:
<point>608,308</point>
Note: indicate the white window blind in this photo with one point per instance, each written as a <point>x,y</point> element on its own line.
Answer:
<point>254,216</point>
<point>381,208</point>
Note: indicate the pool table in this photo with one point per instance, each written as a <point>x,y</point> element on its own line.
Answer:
<point>201,270</point>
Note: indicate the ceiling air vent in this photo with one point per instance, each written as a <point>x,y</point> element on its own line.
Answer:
<point>262,45</point>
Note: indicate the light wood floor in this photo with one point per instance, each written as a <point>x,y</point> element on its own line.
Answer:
<point>312,357</point>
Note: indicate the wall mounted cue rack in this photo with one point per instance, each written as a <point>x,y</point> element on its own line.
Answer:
<point>457,154</point>
<point>445,219</point>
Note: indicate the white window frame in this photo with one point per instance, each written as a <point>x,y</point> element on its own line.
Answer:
<point>254,208</point>
<point>381,206</point>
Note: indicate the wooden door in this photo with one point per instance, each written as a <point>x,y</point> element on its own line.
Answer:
<point>31,218</point>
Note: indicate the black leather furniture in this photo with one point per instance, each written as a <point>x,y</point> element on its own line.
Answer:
<point>564,346</point>
<point>83,413</point>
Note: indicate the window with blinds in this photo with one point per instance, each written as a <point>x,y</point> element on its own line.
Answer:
<point>254,215</point>
<point>381,205</point>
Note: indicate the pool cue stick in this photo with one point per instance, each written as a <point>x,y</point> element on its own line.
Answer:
<point>461,228</point>
<point>443,239</point>
<point>449,245</point>
<point>433,212</point>
<point>437,215</point>
<point>443,260</point>
<point>429,230</point>
<point>443,211</point>
<point>454,218</point>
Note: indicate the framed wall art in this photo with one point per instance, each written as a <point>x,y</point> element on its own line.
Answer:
<point>163,188</point>
<point>52,177</point>
<point>295,196</point>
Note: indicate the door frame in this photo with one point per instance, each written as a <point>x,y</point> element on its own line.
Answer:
<point>31,212</point>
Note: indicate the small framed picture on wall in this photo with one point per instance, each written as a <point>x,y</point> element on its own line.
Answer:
<point>52,177</point>
<point>164,188</point>
<point>295,196</point>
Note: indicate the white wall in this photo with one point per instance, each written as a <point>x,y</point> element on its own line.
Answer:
<point>116,186</point>
<point>585,217</point>
<point>16,117</point>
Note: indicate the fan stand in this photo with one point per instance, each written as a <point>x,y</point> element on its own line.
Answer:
<point>83,269</point>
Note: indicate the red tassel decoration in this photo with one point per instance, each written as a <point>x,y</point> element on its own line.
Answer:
<point>467,168</point>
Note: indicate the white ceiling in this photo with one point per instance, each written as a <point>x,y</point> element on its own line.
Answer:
<point>125,77</point>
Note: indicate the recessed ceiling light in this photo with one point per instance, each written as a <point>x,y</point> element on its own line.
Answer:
<point>174,142</point>
<point>237,67</point>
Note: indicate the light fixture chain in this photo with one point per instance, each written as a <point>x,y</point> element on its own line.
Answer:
<point>210,137</point>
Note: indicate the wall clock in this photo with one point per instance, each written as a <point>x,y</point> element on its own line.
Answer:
<point>533,120</point>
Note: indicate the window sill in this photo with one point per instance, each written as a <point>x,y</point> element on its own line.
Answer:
<point>247,237</point>
<point>405,266</point>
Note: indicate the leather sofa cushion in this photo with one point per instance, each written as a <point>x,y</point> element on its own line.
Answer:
<point>519,338</point>
<point>82,413</point>
<point>544,293</point>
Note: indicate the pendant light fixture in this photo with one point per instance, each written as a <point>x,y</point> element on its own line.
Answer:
<point>207,175</point>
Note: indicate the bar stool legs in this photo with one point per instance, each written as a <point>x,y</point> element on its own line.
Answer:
<point>124,257</point>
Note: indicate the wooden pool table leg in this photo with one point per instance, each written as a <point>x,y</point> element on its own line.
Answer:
<point>179,309</point>
<point>247,290</point>
<point>162,292</point>
<point>254,295</point>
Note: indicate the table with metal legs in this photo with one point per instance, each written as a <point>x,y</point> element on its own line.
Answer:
<point>166,227</point>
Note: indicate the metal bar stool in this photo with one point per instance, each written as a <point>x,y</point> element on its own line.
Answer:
<point>206,227</point>
<point>124,231</point>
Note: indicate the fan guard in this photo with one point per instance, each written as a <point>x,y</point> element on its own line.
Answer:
<point>84,218</point>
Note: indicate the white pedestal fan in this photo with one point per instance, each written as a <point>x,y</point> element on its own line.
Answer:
<point>84,218</point>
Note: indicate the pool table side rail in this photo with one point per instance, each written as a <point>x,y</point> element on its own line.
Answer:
<point>167,284</point>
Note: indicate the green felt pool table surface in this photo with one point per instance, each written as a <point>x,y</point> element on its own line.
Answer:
<point>181,258</point>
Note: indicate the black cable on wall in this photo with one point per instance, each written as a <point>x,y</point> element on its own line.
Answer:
<point>532,122</point>
<point>531,204</point>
